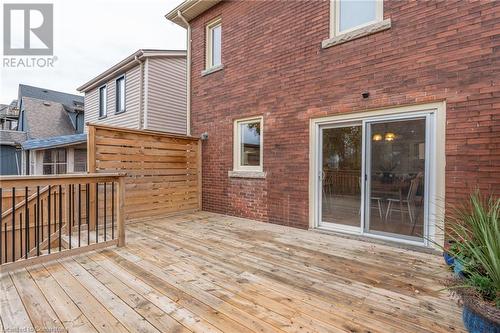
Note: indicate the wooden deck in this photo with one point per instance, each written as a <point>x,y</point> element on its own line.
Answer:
<point>204,272</point>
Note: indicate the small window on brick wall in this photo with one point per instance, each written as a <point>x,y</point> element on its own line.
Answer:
<point>214,44</point>
<point>349,15</point>
<point>248,148</point>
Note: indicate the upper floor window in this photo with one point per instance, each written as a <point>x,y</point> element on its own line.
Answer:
<point>350,15</point>
<point>102,102</point>
<point>214,44</point>
<point>248,140</point>
<point>9,125</point>
<point>120,94</point>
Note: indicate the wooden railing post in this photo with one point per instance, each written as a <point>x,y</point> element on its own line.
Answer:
<point>120,210</point>
<point>199,171</point>
<point>67,207</point>
<point>91,166</point>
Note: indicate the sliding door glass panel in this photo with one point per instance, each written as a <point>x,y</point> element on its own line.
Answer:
<point>396,172</point>
<point>341,175</point>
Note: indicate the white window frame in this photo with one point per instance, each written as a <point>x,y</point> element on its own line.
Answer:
<point>54,163</point>
<point>237,145</point>
<point>117,94</point>
<point>208,41</point>
<point>105,104</point>
<point>335,18</point>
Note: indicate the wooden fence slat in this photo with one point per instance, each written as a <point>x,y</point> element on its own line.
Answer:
<point>163,170</point>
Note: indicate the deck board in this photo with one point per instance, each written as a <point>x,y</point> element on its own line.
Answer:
<point>205,272</point>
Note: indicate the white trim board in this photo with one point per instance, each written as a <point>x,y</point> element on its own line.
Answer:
<point>237,147</point>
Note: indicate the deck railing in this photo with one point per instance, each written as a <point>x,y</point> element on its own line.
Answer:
<point>59,215</point>
<point>341,182</point>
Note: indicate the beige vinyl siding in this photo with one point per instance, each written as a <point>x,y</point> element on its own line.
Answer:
<point>129,118</point>
<point>163,97</point>
<point>166,94</point>
<point>91,101</point>
<point>133,95</point>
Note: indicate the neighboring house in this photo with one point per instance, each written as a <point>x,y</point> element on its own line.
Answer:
<point>147,90</point>
<point>9,116</point>
<point>10,140</point>
<point>53,122</point>
<point>366,117</point>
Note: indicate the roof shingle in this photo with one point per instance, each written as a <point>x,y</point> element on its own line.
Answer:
<point>46,119</point>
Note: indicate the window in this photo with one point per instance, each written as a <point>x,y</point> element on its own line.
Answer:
<point>120,94</point>
<point>102,102</point>
<point>214,44</point>
<point>54,161</point>
<point>353,14</point>
<point>80,160</point>
<point>248,144</point>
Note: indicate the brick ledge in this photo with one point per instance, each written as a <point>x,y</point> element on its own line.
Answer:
<point>358,33</point>
<point>212,70</point>
<point>247,174</point>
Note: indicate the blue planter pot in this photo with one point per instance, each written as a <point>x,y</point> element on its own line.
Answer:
<point>475,323</point>
<point>458,269</point>
<point>448,259</point>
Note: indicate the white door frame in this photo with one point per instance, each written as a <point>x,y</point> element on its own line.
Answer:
<point>435,182</point>
<point>428,173</point>
<point>327,225</point>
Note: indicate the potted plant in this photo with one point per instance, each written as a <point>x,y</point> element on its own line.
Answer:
<point>474,231</point>
<point>447,253</point>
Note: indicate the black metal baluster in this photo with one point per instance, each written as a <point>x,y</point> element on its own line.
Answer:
<point>87,211</point>
<point>112,210</point>
<point>26,223</point>
<point>96,212</point>
<point>38,220</point>
<point>5,243</point>
<point>79,212</point>
<point>105,203</point>
<point>60,217</point>
<point>21,235</point>
<point>13,224</point>
<point>1,224</point>
<point>35,209</point>
<point>41,219</point>
<point>49,211</point>
<point>70,213</point>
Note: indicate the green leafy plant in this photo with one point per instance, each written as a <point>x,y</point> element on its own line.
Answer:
<point>475,232</point>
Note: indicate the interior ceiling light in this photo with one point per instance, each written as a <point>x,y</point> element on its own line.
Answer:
<point>377,137</point>
<point>389,136</point>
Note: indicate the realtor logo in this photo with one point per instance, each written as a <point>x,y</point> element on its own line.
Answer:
<point>28,29</point>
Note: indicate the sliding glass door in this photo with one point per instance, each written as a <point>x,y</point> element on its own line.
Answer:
<point>373,175</point>
<point>341,161</point>
<point>396,174</point>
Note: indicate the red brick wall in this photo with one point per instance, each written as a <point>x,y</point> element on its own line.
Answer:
<point>275,67</point>
<point>247,198</point>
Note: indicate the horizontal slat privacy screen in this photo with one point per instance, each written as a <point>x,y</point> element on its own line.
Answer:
<point>163,170</point>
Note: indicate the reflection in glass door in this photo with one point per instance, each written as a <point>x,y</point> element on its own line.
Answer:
<point>395,166</point>
<point>341,162</point>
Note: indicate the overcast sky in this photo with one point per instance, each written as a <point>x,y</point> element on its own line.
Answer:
<point>92,35</point>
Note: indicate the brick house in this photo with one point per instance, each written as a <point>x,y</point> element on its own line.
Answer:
<point>361,117</point>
